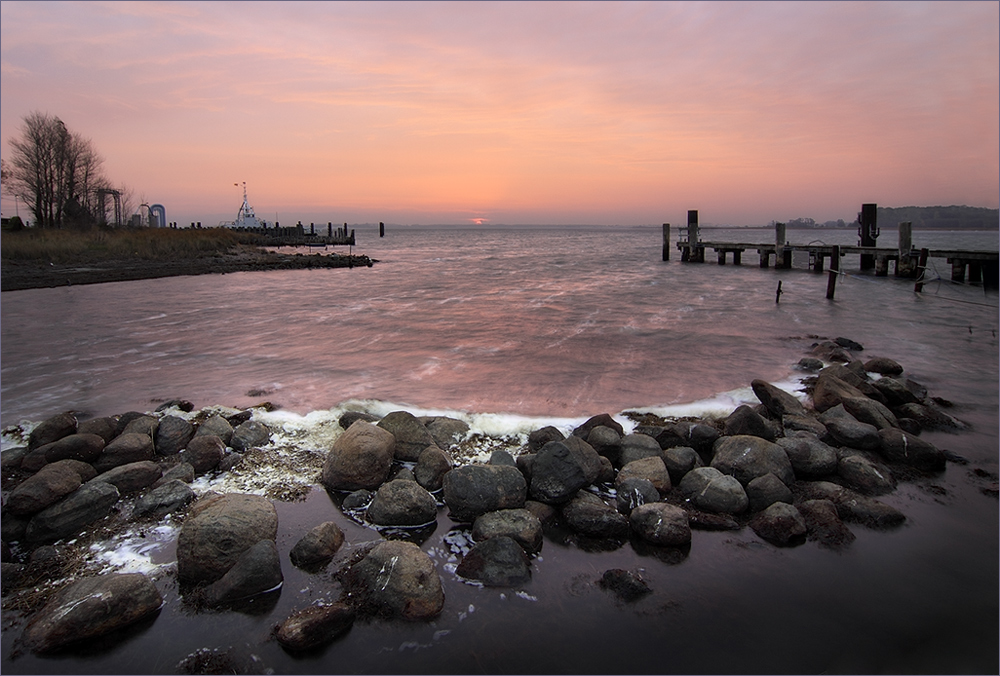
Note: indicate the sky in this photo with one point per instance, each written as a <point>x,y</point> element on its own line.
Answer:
<point>518,113</point>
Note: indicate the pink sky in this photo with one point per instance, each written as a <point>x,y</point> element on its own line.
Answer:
<point>615,113</point>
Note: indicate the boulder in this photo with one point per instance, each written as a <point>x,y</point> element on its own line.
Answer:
<point>544,513</point>
<point>803,423</point>
<point>895,391</point>
<point>778,402</point>
<point>124,449</point>
<point>143,424</point>
<point>632,492</point>
<point>607,442</point>
<point>607,475</point>
<point>91,607</point>
<point>473,490</point>
<point>446,432</point>
<point>204,453</point>
<point>898,446</point>
<point>679,460</point>
<point>431,467</point>
<point>410,434</point>
<point>849,344</point>
<point>871,412</point>
<point>929,417</point>
<point>625,584</point>
<point>846,430</point>
<point>250,434</point>
<point>218,530</point>
<point>132,477</point>
<point>10,459</point>
<point>83,447</point>
<point>351,417</point>
<point>824,525</point>
<point>637,447</point>
<point>49,485</point>
<point>652,469</point>
<point>561,468</point>
<point>766,490</point>
<point>182,471</point>
<point>831,352</point>
<point>830,391</point>
<point>315,626</point>
<point>519,524</point>
<point>661,524</point>
<point>169,497</point>
<point>360,458</point>
<point>69,516</point>
<point>865,476</point>
<point>496,562</point>
<point>748,457</point>
<point>745,421</point>
<point>397,579</point>
<point>588,515</point>
<point>255,571</point>
<point>357,500</point>
<point>216,426</point>
<point>852,506</point>
<point>698,435</point>
<point>809,364</point>
<point>540,437</point>
<point>402,503</point>
<point>780,524</point>
<point>172,435</point>
<point>712,491</point>
<point>52,429</point>
<point>883,366</point>
<point>809,456</point>
<point>318,546</point>
<point>602,419</point>
<point>105,428</point>
<point>855,376</point>
<point>502,457</point>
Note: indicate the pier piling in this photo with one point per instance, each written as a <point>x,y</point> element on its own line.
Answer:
<point>666,241</point>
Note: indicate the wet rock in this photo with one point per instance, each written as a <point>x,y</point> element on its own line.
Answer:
<point>318,546</point>
<point>624,584</point>
<point>144,424</point>
<point>257,570</point>
<point>10,459</point>
<point>402,503</point>
<point>607,442</point>
<point>315,626</point>
<point>661,524</point>
<point>431,467</point>
<point>679,460</point>
<point>169,497</point>
<point>895,391</point>
<point>410,434</point>
<point>218,530</point>
<point>501,457</point>
<point>182,471</point>
<point>634,491</point>
<point>561,468</point>
<point>358,499</point>
<point>404,474</point>
<point>473,490</point>
<point>865,476</point>
<point>496,562</point>
<point>352,417</point>
<point>541,511</point>
<point>871,412</point>
<point>12,576</point>
<point>831,352</point>
<point>12,527</point>
<point>588,515</point>
<point>91,607</point>
<point>698,435</point>
<point>49,485</point>
<point>397,579</point>
<point>778,402</point>
<point>809,364</point>
<point>204,453</point>
<point>179,404</point>
<point>69,516</point>
<point>125,449</point>
<point>929,417</point>
<point>854,375</point>
<point>852,506</point>
<point>824,524</point>
<point>360,458</point>
<point>766,490</point>
<point>708,521</point>
<point>132,477</point>
<point>607,474</point>
<point>803,423</point>
<point>712,491</point>
<point>83,447</point>
<point>848,344</point>
<point>745,421</point>
<point>636,447</point>
<point>845,429</point>
<point>652,469</point>
<point>780,524</point>
<point>52,429</point>
<point>250,434</point>
<point>830,391</point>
<point>810,457</point>
<point>105,428</point>
<point>748,457</point>
<point>446,432</point>
<point>883,366</point>
<point>519,524</point>
<point>898,446</point>
<point>602,419</point>
<point>215,426</point>
<point>172,435</point>
<point>540,437</point>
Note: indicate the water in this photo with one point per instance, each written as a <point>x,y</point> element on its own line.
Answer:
<point>516,328</point>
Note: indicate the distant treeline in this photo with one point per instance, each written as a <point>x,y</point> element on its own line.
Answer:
<point>931,218</point>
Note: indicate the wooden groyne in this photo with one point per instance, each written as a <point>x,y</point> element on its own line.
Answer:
<point>907,260</point>
<point>297,235</point>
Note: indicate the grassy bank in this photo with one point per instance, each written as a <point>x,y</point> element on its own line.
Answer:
<point>99,244</point>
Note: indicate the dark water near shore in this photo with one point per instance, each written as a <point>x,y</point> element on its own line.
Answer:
<point>527,327</point>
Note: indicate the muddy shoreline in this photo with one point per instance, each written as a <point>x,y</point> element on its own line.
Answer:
<point>18,275</point>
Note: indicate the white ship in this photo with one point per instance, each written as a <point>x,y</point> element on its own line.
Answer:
<point>245,218</point>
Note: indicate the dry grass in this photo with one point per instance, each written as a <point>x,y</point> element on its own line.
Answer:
<point>98,244</point>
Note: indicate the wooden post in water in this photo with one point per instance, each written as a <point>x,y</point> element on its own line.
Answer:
<point>921,268</point>
<point>904,264</point>
<point>666,241</point>
<point>381,229</point>
<point>868,231</point>
<point>695,255</point>
<point>779,247</point>
<point>777,295</point>
<point>831,282</point>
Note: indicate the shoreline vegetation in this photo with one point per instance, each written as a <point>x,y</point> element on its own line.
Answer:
<point>45,258</point>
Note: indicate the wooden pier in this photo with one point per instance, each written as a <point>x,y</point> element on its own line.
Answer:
<point>909,261</point>
<point>298,236</point>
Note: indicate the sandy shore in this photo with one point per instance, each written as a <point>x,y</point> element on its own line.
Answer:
<point>20,275</point>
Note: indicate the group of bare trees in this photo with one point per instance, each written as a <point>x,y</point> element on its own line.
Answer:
<point>58,174</point>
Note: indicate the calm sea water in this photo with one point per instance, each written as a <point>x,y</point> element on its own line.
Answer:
<point>526,326</point>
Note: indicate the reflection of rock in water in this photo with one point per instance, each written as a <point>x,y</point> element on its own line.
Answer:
<point>228,660</point>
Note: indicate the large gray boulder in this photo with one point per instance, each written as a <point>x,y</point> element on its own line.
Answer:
<point>132,477</point>
<point>780,524</point>
<point>411,436</point>
<point>496,562</point>
<point>44,488</point>
<point>52,429</point>
<point>318,546</point>
<point>169,497</point>
<point>712,491</point>
<point>360,458</point>
<point>852,506</point>
<point>810,457</point>
<point>883,366</point>
<point>519,524</point>
<point>250,434</point>
<point>632,492</point>
<point>865,476</point>
<point>143,424</point>
<point>766,490</point>
<point>748,457</point>
<point>898,446</point>
<point>123,449</point>
<point>69,516</point>
<point>871,412</point>
<point>745,421</point>
<point>636,447</point>
<point>778,402</point>
<point>588,515</point>
<point>172,435</point>
<point>83,447</point>
<point>607,442</point>
<point>216,426</point>
<point>847,430</point>
<point>432,464</point>
<point>105,427</point>
<point>447,432</point>
<point>824,524</point>
<point>257,570</point>
<point>315,626</point>
<point>396,579</point>
<point>204,452</point>
<point>652,469</point>
<point>661,524</point>
<point>830,391</point>
<point>679,460</point>
<point>91,607</point>
<point>402,503</point>
<point>561,468</point>
<point>473,490</point>
<point>217,532</point>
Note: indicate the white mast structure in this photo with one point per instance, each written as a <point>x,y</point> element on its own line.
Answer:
<point>245,218</point>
